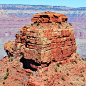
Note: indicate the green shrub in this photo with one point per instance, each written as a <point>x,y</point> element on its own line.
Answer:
<point>83,80</point>
<point>70,24</point>
<point>83,71</point>
<point>83,59</point>
<point>9,55</point>
<point>76,62</point>
<point>80,71</point>
<point>47,79</point>
<point>7,74</point>
<point>56,69</point>
<point>5,77</point>
<point>71,83</point>
<point>81,75</point>
<point>44,84</point>
<point>45,74</point>
<point>7,69</point>
<point>67,74</point>
<point>63,78</point>
<point>58,64</point>
<point>79,59</point>
<point>75,56</point>
<point>11,59</point>
<point>38,24</point>
<point>31,24</point>
<point>3,82</point>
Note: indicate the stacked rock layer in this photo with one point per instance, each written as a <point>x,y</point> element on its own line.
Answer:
<point>47,17</point>
<point>48,39</point>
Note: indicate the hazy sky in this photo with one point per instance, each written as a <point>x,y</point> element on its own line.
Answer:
<point>69,3</point>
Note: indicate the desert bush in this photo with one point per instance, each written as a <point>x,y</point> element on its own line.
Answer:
<point>56,69</point>
<point>9,55</point>
<point>81,75</point>
<point>83,59</point>
<point>83,71</point>
<point>31,24</point>
<point>5,77</point>
<point>7,69</point>
<point>71,83</point>
<point>75,56</point>
<point>11,59</point>
<point>58,64</point>
<point>80,71</point>
<point>79,59</point>
<point>83,80</point>
<point>67,74</point>
<point>7,73</point>
<point>76,62</point>
<point>3,82</point>
<point>44,84</point>
<point>63,78</point>
<point>38,24</point>
<point>70,24</point>
<point>45,74</point>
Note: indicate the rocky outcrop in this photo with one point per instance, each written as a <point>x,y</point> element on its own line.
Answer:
<point>69,74</point>
<point>49,39</point>
<point>47,17</point>
<point>43,54</point>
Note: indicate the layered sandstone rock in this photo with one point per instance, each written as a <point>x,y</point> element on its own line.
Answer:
<point>47,17</point>
<point>48,39</point>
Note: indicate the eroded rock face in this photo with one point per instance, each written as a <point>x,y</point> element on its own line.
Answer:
<point>47,17</point>
<point>48,39</point>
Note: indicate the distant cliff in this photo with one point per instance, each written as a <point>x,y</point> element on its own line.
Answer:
<point>74,14</point>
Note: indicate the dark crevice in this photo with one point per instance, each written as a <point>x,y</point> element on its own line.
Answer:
<point>56,16</point>
<point>48,63</point>
<point>44,16</point>
<point>54,60</point>
<point>27,63</point>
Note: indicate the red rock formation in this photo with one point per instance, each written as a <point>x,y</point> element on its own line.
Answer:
<point>37,56</point>
<point>47,17</point>
<point>48,39</point>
